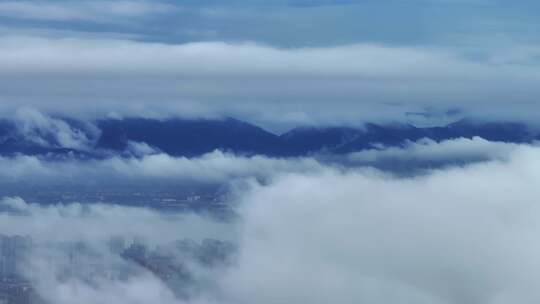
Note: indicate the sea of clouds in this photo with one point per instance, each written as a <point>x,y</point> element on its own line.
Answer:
<point>316,232</point>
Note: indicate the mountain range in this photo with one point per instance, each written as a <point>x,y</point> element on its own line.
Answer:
<point>193,137</point>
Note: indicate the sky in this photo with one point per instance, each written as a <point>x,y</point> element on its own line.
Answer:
<point>274,63</point>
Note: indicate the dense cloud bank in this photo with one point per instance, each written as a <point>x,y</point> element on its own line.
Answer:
<point>462,235</point>
<point>292,85</point>
<point>456,235</point>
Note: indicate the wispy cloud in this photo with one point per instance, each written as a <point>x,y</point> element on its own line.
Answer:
<point>95,11</point>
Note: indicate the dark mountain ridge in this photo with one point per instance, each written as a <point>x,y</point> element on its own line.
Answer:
<point>193,137</point>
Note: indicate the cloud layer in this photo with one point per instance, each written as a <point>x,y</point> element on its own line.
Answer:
<point>215,167</point>
<point>426,153</point>
<point>456,235</point>
<point>69,259</point>
<point>146,164</point>
<point>268,84</point>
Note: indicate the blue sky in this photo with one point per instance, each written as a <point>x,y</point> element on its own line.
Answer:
<point>460,23</point>
<point>274,62</point>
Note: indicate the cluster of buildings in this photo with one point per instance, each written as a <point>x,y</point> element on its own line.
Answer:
<point>14,288</point>
<point>171,262</point>
<point>120,259</point>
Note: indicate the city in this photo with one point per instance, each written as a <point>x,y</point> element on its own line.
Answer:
<point>119,259</point>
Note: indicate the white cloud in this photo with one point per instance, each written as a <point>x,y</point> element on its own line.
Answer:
<point>327,84</point>
<point>427,150</point>
<point>456,235</point>
<point>144,163</point>
<point>462,235</point>
<point>215,167</point>
<point>102,276</point>
<point>144,289</point>
<point>215,59</point>
<point>46,131</point>
<point>141,149</point>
